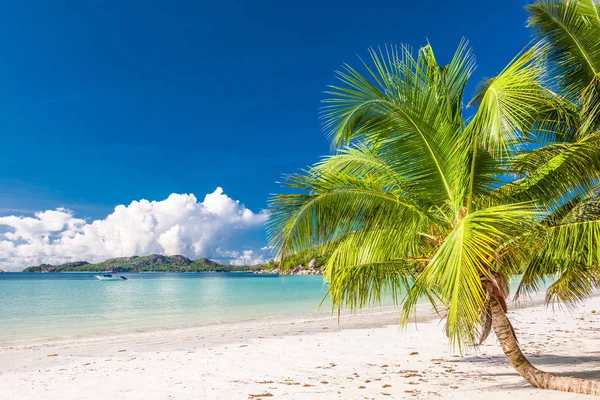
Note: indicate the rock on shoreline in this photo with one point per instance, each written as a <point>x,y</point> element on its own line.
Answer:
<point>312,269</point>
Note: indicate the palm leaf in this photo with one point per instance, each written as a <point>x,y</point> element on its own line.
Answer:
<point>571,30</point>
<point>408,104</point>
<point>335,205</point>
<point>562,169</point>
<point>508,103</point>
<point>571,250</point>
<point>468,254</point>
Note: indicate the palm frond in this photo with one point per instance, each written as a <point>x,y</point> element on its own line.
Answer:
<point>405,103</point>
<point>562,169</point>
<point>364,161</point>
<point>572,242</point>
<point>469,253</point>
<point>590,111</point>
<point>570,29</point>
<point>556,121</point>
<point>508,103</point>
<point>364,269</point>
<point>570,251</point>
<point>575,283</point>
<point>333,205</point>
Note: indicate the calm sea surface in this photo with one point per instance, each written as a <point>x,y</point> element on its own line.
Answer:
<point>36,306</point>
<point>47,306</point>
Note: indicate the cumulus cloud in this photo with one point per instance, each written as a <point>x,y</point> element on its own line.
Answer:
<point>179,224</point>
<point>248,257</point>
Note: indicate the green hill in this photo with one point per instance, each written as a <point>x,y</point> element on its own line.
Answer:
<point>312,260</point>
<point>151,263</point>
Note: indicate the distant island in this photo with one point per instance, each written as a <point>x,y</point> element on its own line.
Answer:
<point>150,263</point>
<point>304,264</point>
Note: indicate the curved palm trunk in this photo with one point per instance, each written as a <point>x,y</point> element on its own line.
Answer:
<point>535,377</point>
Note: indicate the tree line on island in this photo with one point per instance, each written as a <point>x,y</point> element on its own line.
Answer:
<point>305,263</point>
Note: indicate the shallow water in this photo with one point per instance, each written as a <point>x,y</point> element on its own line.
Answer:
<point>49,306</point>
<point>38,307</point>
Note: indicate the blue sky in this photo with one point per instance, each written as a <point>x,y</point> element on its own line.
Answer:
<point>107,102</point>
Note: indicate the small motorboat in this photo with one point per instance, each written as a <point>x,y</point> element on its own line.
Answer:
<point>110,277</point>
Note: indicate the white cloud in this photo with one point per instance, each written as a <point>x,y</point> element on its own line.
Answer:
<point>247,257</point>
<point>177,225</point>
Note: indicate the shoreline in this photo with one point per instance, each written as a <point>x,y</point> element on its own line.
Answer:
<point>373,317</point>
<point>377,316</point>
<point>306,311</point>
<point>366,355</point>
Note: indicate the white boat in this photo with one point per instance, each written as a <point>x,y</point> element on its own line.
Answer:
<point>110,277</point>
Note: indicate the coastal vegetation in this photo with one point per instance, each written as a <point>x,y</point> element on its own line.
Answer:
<point>150,263</point>
<point>178,263</point>
<point>424,198</point>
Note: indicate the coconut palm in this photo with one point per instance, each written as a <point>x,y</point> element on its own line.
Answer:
<point>419,201</point>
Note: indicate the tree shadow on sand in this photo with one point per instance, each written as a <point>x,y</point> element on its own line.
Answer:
<point>586,366</point>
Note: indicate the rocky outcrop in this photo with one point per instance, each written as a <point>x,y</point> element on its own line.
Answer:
<point>47,268</point>
<point>177,259</point>
<point>74,264</point>
<point>313,269</point>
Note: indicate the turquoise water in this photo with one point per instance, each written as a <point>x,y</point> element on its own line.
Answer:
<point>50,306</point>
<point>54,306</point>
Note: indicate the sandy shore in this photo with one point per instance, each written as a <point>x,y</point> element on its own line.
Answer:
<point>365,357</point>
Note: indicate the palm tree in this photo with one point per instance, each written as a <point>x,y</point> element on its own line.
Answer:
<point>419,200</point>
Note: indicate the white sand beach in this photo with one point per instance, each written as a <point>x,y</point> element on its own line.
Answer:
<point>366,357</point>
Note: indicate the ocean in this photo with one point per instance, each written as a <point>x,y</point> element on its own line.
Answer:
<point>36,306</point>
<point>50,306</point>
